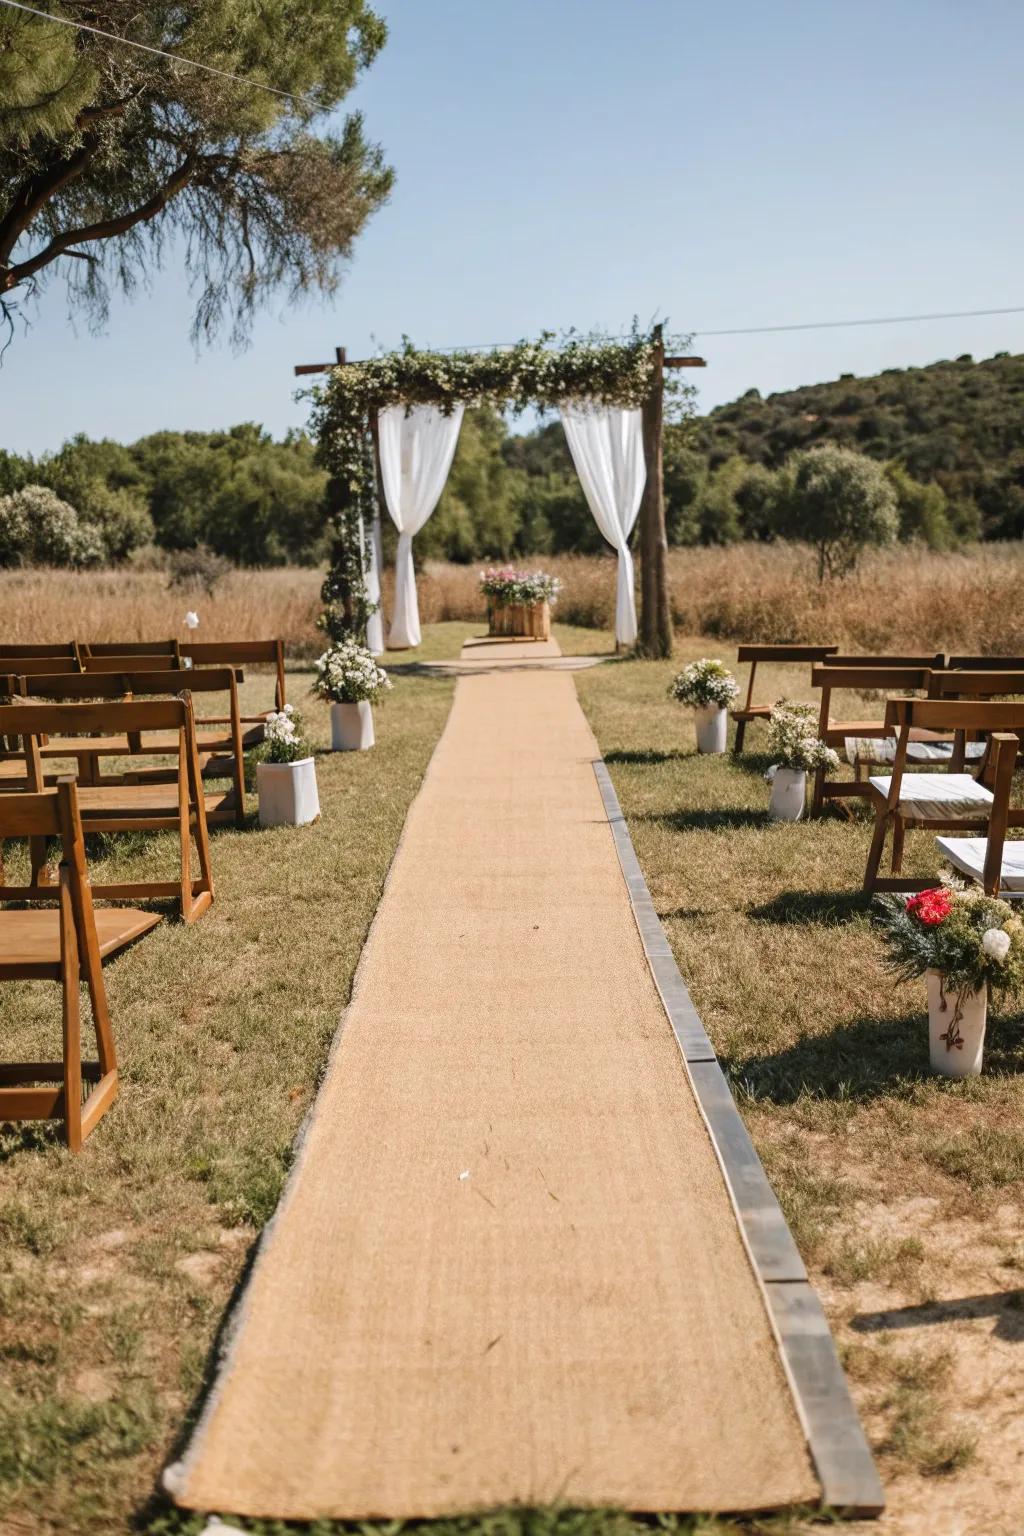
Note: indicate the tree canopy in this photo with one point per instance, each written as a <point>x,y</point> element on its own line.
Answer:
<point>109,154</point>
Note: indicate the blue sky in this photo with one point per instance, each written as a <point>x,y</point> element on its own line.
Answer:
<point>576,162</point>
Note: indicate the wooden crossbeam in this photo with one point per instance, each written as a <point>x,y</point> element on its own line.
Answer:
<point>341,359</point>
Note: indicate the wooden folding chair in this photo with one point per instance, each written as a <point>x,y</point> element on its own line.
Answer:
<point>756,655</point>
<point>996,865</point>
<point>66,945</point>
<point>943,802</point>
<point>977,684</point>
<point>234,653</point>
<point>221,752</point>
<point>855,738</point>
<point>177,807</point>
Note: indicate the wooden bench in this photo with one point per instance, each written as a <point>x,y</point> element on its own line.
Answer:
<point>67,945</point>
<point>943,802</point>
<point>180,806</point>
<point>757,655</point>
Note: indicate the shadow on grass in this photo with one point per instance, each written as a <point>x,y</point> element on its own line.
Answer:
<point>833,909</point>
<point>868,1058</point>
<point>1007,1307</point>
<point>756,764</point>
<point>726,820</point>
<point>646,756</point>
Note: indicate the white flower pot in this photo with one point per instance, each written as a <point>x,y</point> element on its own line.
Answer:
<point>956,1028</point>
<point>712,727</point>
<point>352,727</point>
<point>789,794</point>
<point>288,793</point>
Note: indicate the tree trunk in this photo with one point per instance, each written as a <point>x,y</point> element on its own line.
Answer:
<point>655,612</point>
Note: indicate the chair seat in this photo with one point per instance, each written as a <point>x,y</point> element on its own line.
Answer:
<point>869,749</point>
<point>967,854</point>
<point>33,937</point>
<point>117,746</point>
<point>753,712</point>
<point>938,796</point>
<point>12,770</point>
<point>140,800</point>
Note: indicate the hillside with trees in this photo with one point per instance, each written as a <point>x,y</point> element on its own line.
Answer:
<point>955,425</point>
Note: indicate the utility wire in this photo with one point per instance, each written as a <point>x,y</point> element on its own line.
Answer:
<point>828,325</point>
<point>762,330</point>
<point>162,53</point>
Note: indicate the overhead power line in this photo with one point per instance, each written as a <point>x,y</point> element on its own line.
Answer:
<point>161,53</point>
<point>829,325</point>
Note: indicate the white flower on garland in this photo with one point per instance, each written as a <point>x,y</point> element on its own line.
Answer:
<point>348,674</point>
<point>996,944</point>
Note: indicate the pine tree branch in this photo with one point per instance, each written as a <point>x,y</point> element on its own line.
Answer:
<point>105,228</point>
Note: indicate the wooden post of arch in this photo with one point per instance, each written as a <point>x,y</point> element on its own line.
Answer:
<point>655,612</point>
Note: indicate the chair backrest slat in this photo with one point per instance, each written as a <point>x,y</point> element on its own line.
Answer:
<point>935,659</point>
<point>113,685</point>
<point>955,714</point>
<point>784,652</point>
<point>131,648</point>
<point>987,663</point>
<point>46,719</point>
<point>29,666</point>
<point>29,815</point>
<point>126,662</point>
<point>13,648</point>
<point>976,685</point>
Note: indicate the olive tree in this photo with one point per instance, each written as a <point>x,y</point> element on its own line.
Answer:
<point>110,155</point>
<point>840,502</point>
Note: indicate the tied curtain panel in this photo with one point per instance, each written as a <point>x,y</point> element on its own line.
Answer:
<point>417,445</point>
<point>607,448</point>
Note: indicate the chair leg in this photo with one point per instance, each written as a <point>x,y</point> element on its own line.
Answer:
<point>72,1021</point>
<point>741,731</point>
<point>877,848</point>
<point>899,832</point>
<point>818,793</point>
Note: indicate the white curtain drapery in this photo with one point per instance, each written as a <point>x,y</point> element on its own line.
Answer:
<point>417,445</point>
<point>607,449</point>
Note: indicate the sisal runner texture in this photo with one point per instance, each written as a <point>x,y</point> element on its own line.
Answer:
<point>506,1268</point>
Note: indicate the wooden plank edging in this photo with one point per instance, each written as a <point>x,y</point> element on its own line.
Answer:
<point>839,1450</point>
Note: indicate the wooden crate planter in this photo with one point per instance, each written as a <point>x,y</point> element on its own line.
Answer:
<point>529,621</point>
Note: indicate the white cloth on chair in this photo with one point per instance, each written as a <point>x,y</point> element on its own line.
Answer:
<point>416,445</point>
<point>607,448</point>
<point>938,796</point>
<point>882,749</point>
<point>967,854</point>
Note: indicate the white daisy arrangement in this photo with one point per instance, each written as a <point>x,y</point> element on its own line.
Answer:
<point>348,674</point>
<point>507,584</point>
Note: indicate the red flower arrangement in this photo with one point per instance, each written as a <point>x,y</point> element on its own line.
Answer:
<point>931,907</point>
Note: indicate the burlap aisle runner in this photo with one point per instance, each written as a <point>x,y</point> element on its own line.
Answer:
<point>506,1268</point>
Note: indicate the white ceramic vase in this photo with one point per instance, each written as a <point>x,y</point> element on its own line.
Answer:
<point>288,793</point>
<point>712,723</point>
<point>352,727</point>
<point>789,794</point>
<point>956,1028</point>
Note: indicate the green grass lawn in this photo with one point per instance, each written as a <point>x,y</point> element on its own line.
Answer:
<point>116,1266</point>
<point>905,1192</point>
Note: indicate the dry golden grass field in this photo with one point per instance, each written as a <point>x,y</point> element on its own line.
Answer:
<point>905,1193</point>
<point>903,599</point>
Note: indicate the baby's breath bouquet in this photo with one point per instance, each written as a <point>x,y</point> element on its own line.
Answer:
<point>348,674</point>
<point>704,682</point>
<point>793,740</point>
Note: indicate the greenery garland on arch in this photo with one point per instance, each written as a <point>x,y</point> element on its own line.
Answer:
<point>539,373</point>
